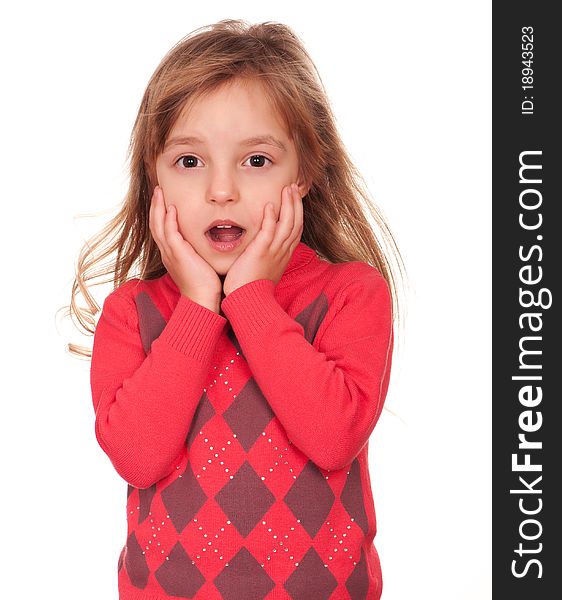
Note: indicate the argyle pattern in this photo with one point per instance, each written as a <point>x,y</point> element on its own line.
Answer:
<point>270,504</point>
<point>245,514</point>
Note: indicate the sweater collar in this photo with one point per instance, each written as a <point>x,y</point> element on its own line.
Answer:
<point>302,255</point>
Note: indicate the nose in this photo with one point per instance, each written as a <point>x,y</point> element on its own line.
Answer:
<point>222,186</point>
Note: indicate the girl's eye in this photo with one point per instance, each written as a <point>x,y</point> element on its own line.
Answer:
<point>188,161</point>
<point>257,160</point>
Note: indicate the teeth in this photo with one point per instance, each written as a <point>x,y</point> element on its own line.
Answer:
<point>224,226</point>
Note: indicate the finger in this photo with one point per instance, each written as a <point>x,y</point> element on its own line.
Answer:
<point>299,215</point>
<point>174,239</point>
<point>286,217</point>
<point>267,230</point>
<point>157,219</point>
<point>287,228</point>
<point>171,228</point>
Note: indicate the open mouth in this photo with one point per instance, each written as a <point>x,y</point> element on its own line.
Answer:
<point>225,233</point>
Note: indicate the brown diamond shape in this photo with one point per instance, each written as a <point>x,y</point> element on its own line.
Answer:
<point>203,413</point>
<point>248,414</point>
<point>151,322</point>
<point>310,498</point>
<point>357,583</point>
<point>135,563</point>
<point>311,579</point>
<point>183,498</point>
<point>243,578</point>
<point>178,576</point>
<point>352,496</point>
<point>245,499</point>
<point>312,317</point>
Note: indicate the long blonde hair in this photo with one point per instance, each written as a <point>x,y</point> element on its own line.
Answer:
<point>335,208</point>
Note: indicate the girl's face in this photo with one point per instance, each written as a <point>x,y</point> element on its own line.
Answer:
<point>226,158</point>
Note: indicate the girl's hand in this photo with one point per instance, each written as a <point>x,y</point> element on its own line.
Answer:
<point>193,275</point>
<point>267,255</point>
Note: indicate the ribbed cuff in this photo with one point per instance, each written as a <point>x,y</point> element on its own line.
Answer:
<point>252,306</point>
<point>193,329</point>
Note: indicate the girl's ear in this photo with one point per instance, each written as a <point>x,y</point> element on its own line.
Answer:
<point>304,186</point>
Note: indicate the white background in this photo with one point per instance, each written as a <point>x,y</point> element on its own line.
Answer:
<point>410,84</point>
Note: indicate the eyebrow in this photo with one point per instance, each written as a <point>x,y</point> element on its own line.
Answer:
<point>270,140</point>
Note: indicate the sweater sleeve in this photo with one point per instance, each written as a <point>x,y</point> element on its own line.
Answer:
<point>144,403</point>
<point>328,396</point>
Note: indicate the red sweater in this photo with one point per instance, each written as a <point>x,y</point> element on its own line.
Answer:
<point>244,435</point>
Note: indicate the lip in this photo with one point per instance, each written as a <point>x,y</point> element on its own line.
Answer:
<point>225,246</point>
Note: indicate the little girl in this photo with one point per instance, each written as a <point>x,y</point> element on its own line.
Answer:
<point>237,377</point>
